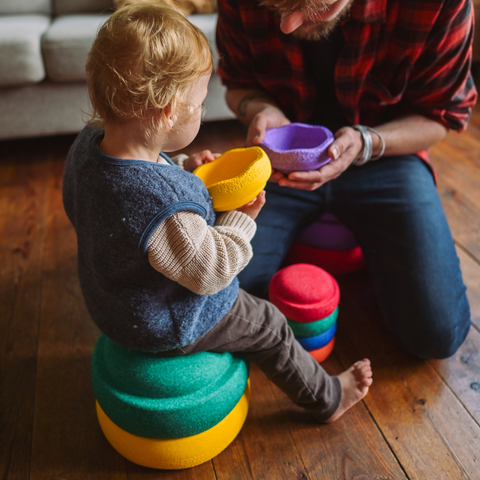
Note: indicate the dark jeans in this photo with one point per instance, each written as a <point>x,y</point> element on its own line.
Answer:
<point>260,331</point>
<point>394,210</point>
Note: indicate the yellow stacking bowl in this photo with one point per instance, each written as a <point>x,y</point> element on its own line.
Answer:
<point>236,177</point>
<point>177,453</point>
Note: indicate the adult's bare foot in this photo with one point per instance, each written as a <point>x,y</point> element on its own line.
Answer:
<point>355,383</point>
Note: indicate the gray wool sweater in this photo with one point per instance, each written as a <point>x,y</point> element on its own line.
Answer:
<point>115,205</point>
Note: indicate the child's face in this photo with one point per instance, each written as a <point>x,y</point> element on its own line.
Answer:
<point>187,125</point>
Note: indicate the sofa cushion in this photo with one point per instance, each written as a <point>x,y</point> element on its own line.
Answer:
<point>67,43</point>
<point>45,108</point>
<point>69,39</point>
<point>21,60</point>
<point>62,7</point>
<point>14,7</point>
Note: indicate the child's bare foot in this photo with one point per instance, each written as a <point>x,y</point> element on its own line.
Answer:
<point>355,382</point>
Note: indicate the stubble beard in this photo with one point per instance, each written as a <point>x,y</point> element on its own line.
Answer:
<point>321,30</point>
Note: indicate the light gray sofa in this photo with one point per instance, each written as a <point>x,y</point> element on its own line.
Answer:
<point>43,47</point>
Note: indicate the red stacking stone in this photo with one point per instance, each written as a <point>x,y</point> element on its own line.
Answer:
<point>304,293</point>
<point>336,262</point>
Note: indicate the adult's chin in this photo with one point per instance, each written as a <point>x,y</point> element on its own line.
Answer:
<point>315,32</point>
<point>324,22</point>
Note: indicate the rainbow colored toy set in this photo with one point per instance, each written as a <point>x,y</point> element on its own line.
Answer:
<point>308,296</point>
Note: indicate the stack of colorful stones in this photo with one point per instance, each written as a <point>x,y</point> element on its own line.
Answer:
<point>169,412</point>
<point>308,296</point>
<point>329,244</point>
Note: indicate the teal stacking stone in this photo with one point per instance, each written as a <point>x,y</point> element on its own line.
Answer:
<point>312,329</point>
<point>156,396</point>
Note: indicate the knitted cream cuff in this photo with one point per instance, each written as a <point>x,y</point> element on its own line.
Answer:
<point>238,220</point>
<point>180,160</point>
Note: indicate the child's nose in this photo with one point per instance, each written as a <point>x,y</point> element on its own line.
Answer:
<point>290,23</point>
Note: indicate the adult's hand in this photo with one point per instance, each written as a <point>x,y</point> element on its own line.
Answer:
<point>269,117</point>
<point>346,147</point>
<point>256,109</point>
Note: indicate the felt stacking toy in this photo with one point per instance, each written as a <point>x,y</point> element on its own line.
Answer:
<point>169,412</point>
<point>297,147</point>
<point>328,244</point>
<point>236,177</point>
<point>308,296</point>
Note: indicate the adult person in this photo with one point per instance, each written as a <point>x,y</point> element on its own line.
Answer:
<point>389,78</point>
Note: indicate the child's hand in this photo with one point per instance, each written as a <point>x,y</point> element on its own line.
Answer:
<point>252,209</point>
<point>197,159</point>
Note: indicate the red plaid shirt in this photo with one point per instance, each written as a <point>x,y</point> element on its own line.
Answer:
<point>399,56</point>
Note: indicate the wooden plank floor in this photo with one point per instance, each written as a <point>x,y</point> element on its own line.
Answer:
<point>420,420</point>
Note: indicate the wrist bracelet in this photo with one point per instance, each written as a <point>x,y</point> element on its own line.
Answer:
<point>368,145</point>
<point>382,150</point>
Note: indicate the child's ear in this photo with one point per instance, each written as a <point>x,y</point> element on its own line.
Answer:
<point>168,123</point>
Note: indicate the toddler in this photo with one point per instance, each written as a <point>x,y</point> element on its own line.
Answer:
<point>157,268</point>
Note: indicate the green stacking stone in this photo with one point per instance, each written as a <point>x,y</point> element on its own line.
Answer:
<point>312,329</point>
<point>155,396</point>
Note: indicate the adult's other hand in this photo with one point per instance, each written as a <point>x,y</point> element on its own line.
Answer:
<point>346,147</point>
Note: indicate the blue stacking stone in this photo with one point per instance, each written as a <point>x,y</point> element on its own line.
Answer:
<point>319,341</point>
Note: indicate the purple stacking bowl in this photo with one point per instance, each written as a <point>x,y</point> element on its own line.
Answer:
<point>327,233</point>
<point>297,147</point>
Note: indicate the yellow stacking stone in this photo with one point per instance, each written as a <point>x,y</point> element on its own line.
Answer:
<point>177,453</point>
<point>236,177</point>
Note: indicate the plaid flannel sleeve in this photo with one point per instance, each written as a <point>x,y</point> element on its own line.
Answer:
<point>441,85</point>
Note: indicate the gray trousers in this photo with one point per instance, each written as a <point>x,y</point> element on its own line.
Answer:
<point>257,329</point>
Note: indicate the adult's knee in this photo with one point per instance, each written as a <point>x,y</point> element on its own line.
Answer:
<point>438,343</point>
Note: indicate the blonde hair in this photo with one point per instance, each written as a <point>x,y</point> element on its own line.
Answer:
<point>144,61</point>
<point>186,6</point>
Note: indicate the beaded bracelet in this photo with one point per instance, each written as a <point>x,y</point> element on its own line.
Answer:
<point>368,145</point>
